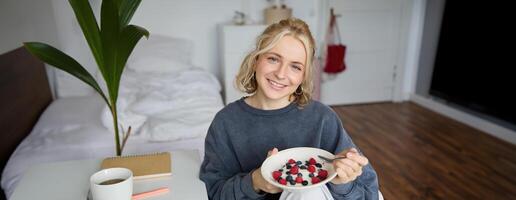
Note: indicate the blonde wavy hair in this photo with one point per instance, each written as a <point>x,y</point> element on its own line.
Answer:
<point>245,79</point>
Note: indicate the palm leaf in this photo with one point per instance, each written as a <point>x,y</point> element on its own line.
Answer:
<point>110,32</point>
<point>129,37</point>
<point>127,9</point>
<point>64,62</point>
<point>90,28</point>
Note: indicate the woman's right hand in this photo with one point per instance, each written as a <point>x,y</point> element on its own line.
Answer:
<point>259,183</point>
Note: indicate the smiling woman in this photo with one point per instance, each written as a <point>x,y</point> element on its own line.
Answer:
<point>279,114</point>
<point>281,61</point>
<point>279,73</point>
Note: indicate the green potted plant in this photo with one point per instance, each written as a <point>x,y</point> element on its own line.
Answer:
<point>111,45</point>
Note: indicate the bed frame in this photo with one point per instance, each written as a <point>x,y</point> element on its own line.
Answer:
<point>25,93</point>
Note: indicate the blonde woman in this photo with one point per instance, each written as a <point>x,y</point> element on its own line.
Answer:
<point>279,114</point>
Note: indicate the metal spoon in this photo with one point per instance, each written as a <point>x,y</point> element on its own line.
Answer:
<point>330,160</point>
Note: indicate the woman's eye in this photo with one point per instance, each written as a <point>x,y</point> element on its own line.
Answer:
<point>272,59</point>
<point>296,67</point>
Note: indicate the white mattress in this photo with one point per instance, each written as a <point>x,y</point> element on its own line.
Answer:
<point>71,129</point>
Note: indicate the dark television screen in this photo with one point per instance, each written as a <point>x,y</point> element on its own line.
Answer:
<point>475,59</point>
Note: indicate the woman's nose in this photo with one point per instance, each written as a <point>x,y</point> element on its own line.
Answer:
<point>281,72</point>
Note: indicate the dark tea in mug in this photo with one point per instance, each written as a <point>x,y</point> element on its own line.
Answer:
<point>111,181</point>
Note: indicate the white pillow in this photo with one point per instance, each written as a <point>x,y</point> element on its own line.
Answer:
<point>165,47</point>
<point>161,130</point>
<point>157,64</point>
<point>161,54</point>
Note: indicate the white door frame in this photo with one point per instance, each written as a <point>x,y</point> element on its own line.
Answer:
<point>409,46</point>
<point>413,18</point>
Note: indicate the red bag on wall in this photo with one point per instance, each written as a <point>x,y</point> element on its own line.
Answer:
<point>335,52</point>
<point>335,59</point>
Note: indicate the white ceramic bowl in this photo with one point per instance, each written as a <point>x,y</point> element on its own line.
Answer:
<point>278,160</point>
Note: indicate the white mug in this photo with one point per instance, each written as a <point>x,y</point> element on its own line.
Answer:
<point>112,184</point>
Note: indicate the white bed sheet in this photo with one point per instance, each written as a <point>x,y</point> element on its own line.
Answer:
<point>167,105</point>
<point>71,129</point>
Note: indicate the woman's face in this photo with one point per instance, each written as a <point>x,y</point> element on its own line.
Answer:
<point>280,71</point>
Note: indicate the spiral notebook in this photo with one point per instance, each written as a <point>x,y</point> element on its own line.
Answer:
<point>143,166</point>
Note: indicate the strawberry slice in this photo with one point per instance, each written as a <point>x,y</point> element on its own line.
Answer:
<point>282,181</point>
<point>315,180</point>
<point>323,174</point>
<point>311,168</point>
<point>294,170</point>
<point>299,179</point>
<point>276,175</point>
<point>312,161</point>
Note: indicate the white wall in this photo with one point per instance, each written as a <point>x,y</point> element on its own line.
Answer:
<point>72,43</point>
<point>26,20</point>
<point>53,21</point>
<point>195,20</point>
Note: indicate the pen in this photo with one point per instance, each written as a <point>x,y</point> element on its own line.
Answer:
<point>151,193</point>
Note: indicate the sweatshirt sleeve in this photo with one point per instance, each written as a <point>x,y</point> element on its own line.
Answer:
<point>220,172</point>
<point>366,185</point>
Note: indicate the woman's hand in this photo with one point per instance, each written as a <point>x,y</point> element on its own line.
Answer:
<point>259,183</point>
<point>349,168</point>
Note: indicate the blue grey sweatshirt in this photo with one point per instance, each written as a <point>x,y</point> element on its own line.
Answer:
<point>240,137</point>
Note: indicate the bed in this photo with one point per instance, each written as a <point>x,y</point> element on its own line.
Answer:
<point>168,103</point>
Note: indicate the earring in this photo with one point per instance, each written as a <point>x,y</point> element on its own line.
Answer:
<point>299,91</point>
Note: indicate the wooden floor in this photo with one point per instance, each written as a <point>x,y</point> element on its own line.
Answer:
<point>419,154</point>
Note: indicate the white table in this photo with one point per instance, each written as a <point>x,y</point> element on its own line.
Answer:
<point>70,180</point>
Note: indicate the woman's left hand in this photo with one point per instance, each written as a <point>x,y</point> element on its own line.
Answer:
<point>349,168</point>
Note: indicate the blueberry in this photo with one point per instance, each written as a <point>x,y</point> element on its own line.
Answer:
<point>288,167</point>
<point>318,165</point>
<point>289,178</point>
<point>299,174</point>
<point>288,172</point>
<point>302,167</point>
<point>305,183</point>
<point>292,182</point>
<point>311,175</point>
<point>299,163</point>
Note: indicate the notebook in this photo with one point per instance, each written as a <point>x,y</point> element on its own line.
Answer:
<point>143,166</point>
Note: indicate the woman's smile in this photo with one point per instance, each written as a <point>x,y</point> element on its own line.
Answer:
<point>275,85</point>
